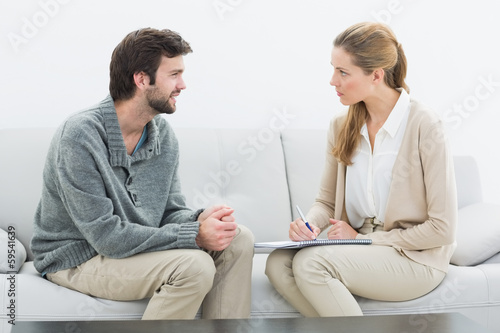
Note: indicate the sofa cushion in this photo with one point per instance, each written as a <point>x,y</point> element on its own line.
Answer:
<point>478,234</point>
<point>21,178</point>
<point>244,169</point>
<point>305,152</point>
<point>40,299</point>
<point>13,253</point>
<point>471,291</point>
<point>468,180</point>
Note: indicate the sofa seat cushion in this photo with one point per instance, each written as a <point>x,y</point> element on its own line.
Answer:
<point>40,299</point>
<point>478,234</point>
<point>472,291</point>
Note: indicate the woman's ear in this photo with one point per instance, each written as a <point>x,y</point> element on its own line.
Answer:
<point>378,75</point>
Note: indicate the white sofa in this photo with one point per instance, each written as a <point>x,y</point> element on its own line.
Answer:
<point>262,173</point>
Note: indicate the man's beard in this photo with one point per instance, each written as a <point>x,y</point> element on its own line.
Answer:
<point>159,103</point>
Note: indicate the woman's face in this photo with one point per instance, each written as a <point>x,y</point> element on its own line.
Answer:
<point>350,81</point>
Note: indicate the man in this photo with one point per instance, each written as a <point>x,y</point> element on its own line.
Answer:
<point>112,222</point>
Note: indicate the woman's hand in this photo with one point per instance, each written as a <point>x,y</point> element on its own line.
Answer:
<point>341,230</point>
<point>299,231</point>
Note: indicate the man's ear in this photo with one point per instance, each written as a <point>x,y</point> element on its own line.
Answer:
<point>141,80</point>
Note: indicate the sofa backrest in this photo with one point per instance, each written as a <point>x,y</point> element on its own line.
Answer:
<point>262,174</point>
<point>244,169</point>
<point>241,168</point>
<point>21,168</point>
<point>305,150</point>
<point>469,190</point>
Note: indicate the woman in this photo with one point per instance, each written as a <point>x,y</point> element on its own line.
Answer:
<point>388,177</point>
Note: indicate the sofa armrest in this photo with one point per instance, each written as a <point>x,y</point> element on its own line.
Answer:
<point>12,252</point>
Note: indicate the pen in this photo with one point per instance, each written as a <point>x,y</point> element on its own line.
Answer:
<point>303,218</point>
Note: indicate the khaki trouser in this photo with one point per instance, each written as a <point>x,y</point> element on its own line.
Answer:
<point>321,280</point>
<point>177,281</point>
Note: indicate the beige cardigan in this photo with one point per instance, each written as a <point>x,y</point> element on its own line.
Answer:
<point>421,213</point>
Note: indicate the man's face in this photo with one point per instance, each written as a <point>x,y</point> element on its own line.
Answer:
<point>168,85</point>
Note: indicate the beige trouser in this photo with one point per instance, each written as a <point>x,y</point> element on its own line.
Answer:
<point>321,280</point>
<point>177,281</point>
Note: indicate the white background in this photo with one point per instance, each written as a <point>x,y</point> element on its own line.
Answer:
<point>255,58</point>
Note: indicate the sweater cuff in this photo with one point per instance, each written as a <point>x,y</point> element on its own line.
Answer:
<point>186,238</point>
<point>196,214</point>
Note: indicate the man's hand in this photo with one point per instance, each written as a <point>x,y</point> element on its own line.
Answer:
<point>209,211</point>
<point>217,228</point>
<point>341,230</point>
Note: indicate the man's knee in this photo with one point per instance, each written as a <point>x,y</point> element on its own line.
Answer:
<point>243,242</point>
<point>197,267</point>
<point>245,237</point>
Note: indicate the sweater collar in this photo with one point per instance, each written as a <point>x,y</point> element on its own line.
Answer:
<point>116,146</point>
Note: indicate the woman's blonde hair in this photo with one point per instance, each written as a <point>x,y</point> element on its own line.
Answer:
<point>371,46</point>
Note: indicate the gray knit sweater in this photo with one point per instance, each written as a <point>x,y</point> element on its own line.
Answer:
<point>96,199</point>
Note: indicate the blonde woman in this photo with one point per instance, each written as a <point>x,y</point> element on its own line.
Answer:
<point>388,177</point>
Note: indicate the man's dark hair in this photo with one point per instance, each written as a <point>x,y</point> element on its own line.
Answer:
<point>141,51</point>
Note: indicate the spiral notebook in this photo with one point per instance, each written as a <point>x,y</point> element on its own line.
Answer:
<point>317,242</point>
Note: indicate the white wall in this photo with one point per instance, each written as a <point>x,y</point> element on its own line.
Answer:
<point>254,59</point>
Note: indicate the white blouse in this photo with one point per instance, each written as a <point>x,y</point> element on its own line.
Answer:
<point>369,178</point>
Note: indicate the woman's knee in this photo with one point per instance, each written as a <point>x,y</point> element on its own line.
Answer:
<point>309,261</point>
<point>279,266</point>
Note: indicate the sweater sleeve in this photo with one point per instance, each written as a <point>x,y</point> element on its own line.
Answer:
<point>84,188</point>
